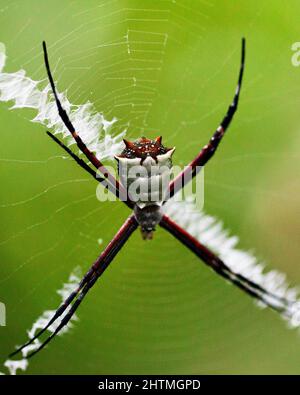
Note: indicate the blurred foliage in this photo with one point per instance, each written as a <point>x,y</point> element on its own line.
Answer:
<point>160,67</point>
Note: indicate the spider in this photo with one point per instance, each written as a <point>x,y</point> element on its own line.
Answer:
<point>147,152</point>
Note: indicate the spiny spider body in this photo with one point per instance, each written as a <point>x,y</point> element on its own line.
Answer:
<point>144,168</point>
<point>153,160</point>
<point>143,148</point>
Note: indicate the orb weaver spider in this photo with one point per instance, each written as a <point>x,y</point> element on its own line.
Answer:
<point>146,152</point>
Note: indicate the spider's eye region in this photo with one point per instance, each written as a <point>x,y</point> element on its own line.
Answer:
<point>143,148</point>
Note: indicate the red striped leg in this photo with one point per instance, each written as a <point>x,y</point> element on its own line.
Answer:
<point>207,152</point>
<point>86,283</point>
<point>212,260</point>
<point>122,193</point>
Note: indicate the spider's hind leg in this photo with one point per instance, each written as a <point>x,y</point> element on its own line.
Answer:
<point>86,284</point>
<point>274,300</point>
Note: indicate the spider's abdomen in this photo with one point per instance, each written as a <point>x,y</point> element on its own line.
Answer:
<point>145,171</point>
<point>146,183</point>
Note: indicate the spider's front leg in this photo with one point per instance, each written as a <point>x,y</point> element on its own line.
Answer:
<point>86,283</point>
<point>92,172</point>
<point>272,300</point>
<point>207,152</point>
<point>120,191</point>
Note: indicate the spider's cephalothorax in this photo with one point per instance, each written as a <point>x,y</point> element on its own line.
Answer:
<point>145,171</point>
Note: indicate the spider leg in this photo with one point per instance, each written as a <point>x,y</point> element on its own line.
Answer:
<point>207,152</point>
<point>87,282</point>
<point>87,168</point>
<point>79,161</point>
<point>69,315</point>
<point>81,145</point>
<point>274,301</point>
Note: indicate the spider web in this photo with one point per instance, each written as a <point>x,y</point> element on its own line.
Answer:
<point>158,67</point>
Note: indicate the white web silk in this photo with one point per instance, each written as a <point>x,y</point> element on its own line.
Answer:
<point>210,232</point>
<point>92,127</point>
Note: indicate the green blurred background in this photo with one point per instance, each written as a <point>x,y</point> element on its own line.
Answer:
<point>160,67</point>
